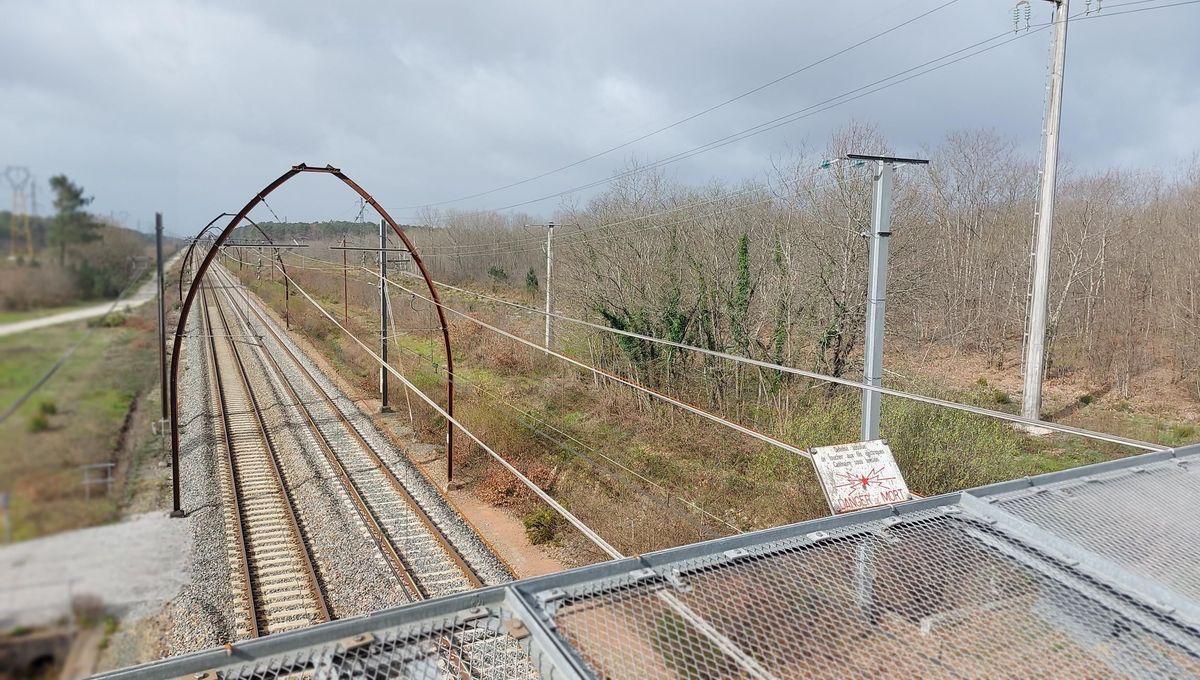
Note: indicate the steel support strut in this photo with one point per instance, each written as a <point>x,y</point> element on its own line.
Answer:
<point>185,309</point>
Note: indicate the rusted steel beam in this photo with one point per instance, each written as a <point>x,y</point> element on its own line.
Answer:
<point>234,222</point>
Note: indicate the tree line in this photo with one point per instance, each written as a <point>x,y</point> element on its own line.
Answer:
<point>776,270</point>
<point>89,257</point>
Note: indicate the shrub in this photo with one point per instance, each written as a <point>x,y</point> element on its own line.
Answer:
<point>114,320</point>
<point>1086,399</point>
<point>497,274</point>
<point>1001,397</point>
<point>541,525</point>
<point>88,610</point>
<point>40,422</point>
<point>531,280</point>
<point>48,407</point>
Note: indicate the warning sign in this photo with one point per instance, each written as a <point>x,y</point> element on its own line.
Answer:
<point>859,475</point>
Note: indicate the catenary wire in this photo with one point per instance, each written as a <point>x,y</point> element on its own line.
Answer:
<point>558,507</point>
<point>611,376</point>
<point>810,374</point>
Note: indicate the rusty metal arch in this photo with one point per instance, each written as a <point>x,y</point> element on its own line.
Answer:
<point>181,326</point>
<point>208,227</point>
<point>183,265</point>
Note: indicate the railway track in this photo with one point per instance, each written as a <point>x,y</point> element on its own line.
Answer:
<point>413,545</point>
<point>423,559</point>
<point>271,561</point>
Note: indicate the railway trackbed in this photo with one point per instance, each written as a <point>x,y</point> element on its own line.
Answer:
<point>272,563</point>
<point>413,545</point>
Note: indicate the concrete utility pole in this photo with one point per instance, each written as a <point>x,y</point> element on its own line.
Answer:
<point>881,232</point>
<point>383,319</point>
<point>1035,332</point>
<point>162,316</point>
<point>345,285</point>
<point>549,276</point>
<point>546,285</point>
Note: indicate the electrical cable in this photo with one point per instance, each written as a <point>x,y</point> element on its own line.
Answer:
<point>530,416</point>
<point>583,232</point>
<point>547,498</point>
<point>12,408</point>
<point>459,250</point>
<point>830,103</point>
<point>691,117</point>
<point>799,114</point>
<point>1113,439</point>
<point>766,438</point>
<point>497,398</point>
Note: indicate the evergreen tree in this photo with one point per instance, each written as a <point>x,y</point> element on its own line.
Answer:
<point>72,225</point>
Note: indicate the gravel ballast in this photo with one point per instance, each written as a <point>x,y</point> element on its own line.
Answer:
<point>486,566</point>
<point>354,574</point>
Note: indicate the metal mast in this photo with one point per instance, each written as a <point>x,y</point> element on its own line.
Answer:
<point>880,234</point>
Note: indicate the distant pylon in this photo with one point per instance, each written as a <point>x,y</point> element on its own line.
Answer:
<point>18,178</point>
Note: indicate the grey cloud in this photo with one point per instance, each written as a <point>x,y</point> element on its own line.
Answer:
<point>189,107</point>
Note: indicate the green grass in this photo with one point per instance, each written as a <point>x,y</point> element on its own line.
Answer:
<point>91,395</point>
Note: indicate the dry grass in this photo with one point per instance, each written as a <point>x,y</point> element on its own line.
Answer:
<point>648,476</point>
<point>24,288</point>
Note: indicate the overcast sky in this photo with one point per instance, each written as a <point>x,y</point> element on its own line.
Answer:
<point>192,107</point>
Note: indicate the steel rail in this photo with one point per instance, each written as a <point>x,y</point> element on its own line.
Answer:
<point>304,552</point>
<point>392,552</point>
<point>583,528</point>
<point>398,565</point>
<point>241,542</point>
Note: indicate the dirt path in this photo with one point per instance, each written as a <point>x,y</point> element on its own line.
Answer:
<point>145,293</point>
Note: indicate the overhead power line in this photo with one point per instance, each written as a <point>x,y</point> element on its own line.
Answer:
<point>630,472</point>
<point>799,114</point>
<point>691,117</point>
<point>695,410</point>
<point>503,247</point>
<point>916,71</point>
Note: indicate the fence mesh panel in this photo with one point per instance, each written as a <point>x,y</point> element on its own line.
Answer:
<point>1084,574</point>
<point>1141,518</point>
<point>485,643</point>
<point>933,595</point>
